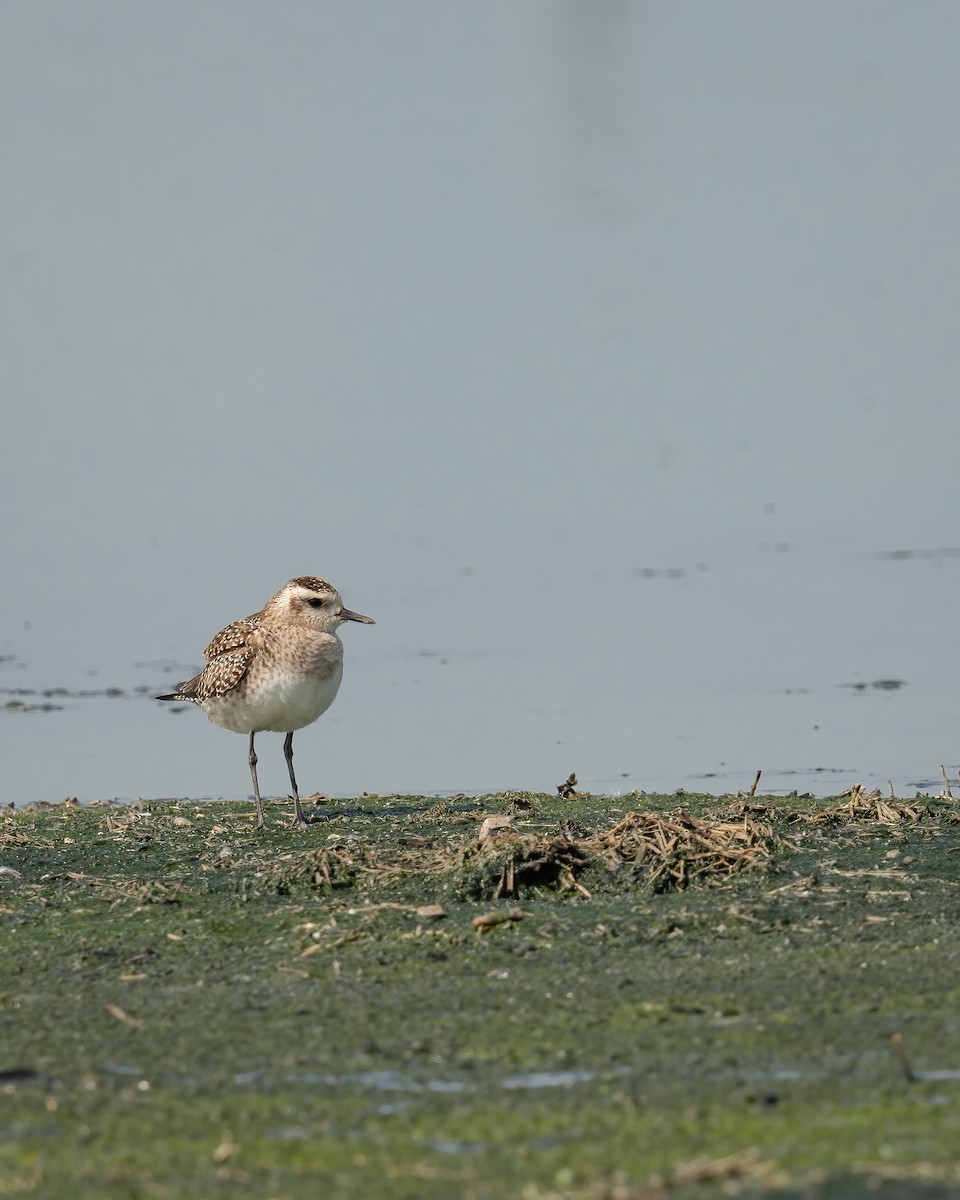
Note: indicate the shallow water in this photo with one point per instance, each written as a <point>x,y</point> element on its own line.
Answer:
<point>598,352</point>
<point>732,699</point>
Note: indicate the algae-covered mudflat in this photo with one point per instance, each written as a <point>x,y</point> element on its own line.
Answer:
<point>589,997</point>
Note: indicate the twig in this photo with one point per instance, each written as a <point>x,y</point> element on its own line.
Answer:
<point>321,948</point>
<point>507,884</point>
<point>896,1041</point>
<point>893,794</point>
<point>753,790</point>
<point>571,882</point>
<point>124,1018</point>
<point>485,923</point>
<point>946,782</point>
<point>731,1167</point>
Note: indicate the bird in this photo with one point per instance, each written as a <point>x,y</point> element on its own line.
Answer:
<point>277,670</point>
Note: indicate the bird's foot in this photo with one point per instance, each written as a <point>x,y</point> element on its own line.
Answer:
<point>299,820</point>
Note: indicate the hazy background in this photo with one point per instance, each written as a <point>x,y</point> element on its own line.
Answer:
<point>605,352</point>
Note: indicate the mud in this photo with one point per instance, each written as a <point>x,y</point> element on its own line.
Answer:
<point>596,998</point>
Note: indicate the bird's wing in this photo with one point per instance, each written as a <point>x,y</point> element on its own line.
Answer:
<point>220,676</point>
<point>245,636</point>
<point>228,657</point>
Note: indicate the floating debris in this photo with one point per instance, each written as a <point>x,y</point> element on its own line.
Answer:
<point>881,685</point>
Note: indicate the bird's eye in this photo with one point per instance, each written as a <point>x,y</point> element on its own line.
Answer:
<point>315,602</point>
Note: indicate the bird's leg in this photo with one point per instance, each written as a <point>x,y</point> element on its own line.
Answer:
<point>252,760</point>
<point>298,818</point>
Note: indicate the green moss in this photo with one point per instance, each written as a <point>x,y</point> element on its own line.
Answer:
<point>195,1009</point>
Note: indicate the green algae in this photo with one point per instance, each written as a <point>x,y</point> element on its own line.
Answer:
<point>189,1008</point>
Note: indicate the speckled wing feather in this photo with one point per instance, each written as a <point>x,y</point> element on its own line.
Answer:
<point>243,636</point>
<point>228,657</point>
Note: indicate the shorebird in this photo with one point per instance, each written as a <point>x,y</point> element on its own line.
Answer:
<point>277,670</point>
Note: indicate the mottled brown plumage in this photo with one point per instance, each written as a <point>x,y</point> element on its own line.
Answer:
<point>278,669</point>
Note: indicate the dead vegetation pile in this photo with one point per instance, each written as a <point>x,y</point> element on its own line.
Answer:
<point>679,849</point>
<point>662,853</point>
<point>872,806</point>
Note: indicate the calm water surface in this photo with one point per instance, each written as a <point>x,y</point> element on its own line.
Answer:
<point>605,354</point>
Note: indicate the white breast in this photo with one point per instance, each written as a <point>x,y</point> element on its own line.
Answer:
<point>278,702</point>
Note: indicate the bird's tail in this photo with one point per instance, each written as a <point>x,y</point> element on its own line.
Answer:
<point>185,691</point>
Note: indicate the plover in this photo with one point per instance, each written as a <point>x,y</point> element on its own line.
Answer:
<point>277,670</point>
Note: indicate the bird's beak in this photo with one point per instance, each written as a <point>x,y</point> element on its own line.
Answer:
<point>347,615</point>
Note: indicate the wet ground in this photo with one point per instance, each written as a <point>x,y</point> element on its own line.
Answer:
<point>517,995</point>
